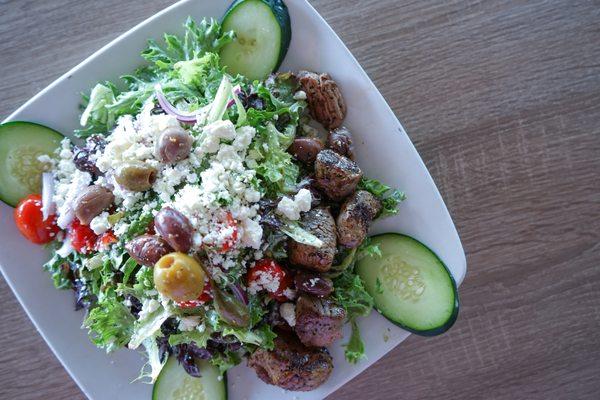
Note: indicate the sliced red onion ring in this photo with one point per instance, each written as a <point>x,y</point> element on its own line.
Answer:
<point>186,117</point>
<point>237,90</point>
<point>239,293</point>
<point>48,205</point>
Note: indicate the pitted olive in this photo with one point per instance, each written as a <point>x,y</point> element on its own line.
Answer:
<point>136,177</point>
<point>147,249</point>
<point>179,277</point>
<point>173,145</point>
<point>314,284</point>
<point>91,202</point>
<point>305,149</point>
<point>174,228</point>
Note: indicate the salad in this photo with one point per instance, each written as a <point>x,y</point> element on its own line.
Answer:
<point>211,211</point>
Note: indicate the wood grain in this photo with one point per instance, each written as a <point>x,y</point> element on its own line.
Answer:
<point>502,100</point>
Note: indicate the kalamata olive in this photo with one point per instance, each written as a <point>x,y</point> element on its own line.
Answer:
<point>179,277</point>
<point>91,202</point>
<point>174,228</point>
<point>173,145</point>
<point>305,149</point>
<point>136,176</point>
<point>147,249</point>
<point>340,141</point>
<point>313,284</point>
<point>82,157</point>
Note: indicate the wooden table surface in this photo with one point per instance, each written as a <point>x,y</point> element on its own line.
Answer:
<point>502,100</point>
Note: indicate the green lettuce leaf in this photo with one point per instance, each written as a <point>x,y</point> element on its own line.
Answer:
<point>299,234</point>
<point>351,294</point>
<point>390,199</point>
<point>225,361</point>
<point>200,338</point>
<point>59,270</point>
<point>148,326</point>
<point>152,368</point>
<point>355,348</point>
<point>188,76</point>
<point>110,324</point>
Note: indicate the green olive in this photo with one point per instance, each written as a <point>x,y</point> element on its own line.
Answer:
<point>136,177</point>
<point>179,277</point>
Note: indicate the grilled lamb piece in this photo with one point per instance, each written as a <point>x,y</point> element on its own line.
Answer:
<point>291,365</point>
<point>340,141</point>
<point>319,322</point>
<point>324,98</point>
<point>337,176</point>
<point>356,214</point>
<point>320,223</point>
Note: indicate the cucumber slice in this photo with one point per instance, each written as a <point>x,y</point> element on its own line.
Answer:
<point>263,33</point>
<point>21,143</point>
<point>410,285</point>
<point>174,383</point>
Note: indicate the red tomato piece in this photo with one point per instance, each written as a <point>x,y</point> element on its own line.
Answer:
<point>83,238</point>
<point>232,239</point>
<point>204,297</point>
<point>105,240</point>
<point>30,220</point>
<point>267,274</point>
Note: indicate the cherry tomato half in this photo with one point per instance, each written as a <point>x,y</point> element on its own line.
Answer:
<point>83,238</point>
<point>232,239</point>
<point>105,240</point>
<point>30,221</point>
<point>273,272</point>
<point>204,297</point>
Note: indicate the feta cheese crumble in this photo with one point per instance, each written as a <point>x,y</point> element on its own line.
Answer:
<point>291,208</point>
<point>288,313</point>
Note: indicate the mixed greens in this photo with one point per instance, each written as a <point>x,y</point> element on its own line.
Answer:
<point>116,289</point>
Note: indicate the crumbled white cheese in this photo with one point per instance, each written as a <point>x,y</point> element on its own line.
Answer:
<point>288,208</point>
<point>313,282</point>
<point>65,249</point>
<point>66,191</point>
<point>252,233</point>
<point>291,208</point>
<point>100,223</point>
<point>303,200</point>
<point>300,95</point>
<point>226,180</point>
<point>288,313</point>
<point>264,281</point>
<point>148,307</point>
<point>189,323</point>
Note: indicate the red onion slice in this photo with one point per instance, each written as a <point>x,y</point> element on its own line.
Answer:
<point>48,206</point>
<point>237,90</point>
<point>239,293</point>
<point>187,117</point>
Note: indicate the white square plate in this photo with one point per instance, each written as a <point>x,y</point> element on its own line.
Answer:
<point>384,151</point>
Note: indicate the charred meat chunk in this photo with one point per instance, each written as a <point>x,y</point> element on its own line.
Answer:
<point>340,141</point>
<point>337,176</point>
<point>320,223</point>
<point>291,365</point>
<point>319,322</point>
<point>324,98</point>
<point>355,216</point>
<point>305,149</point>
